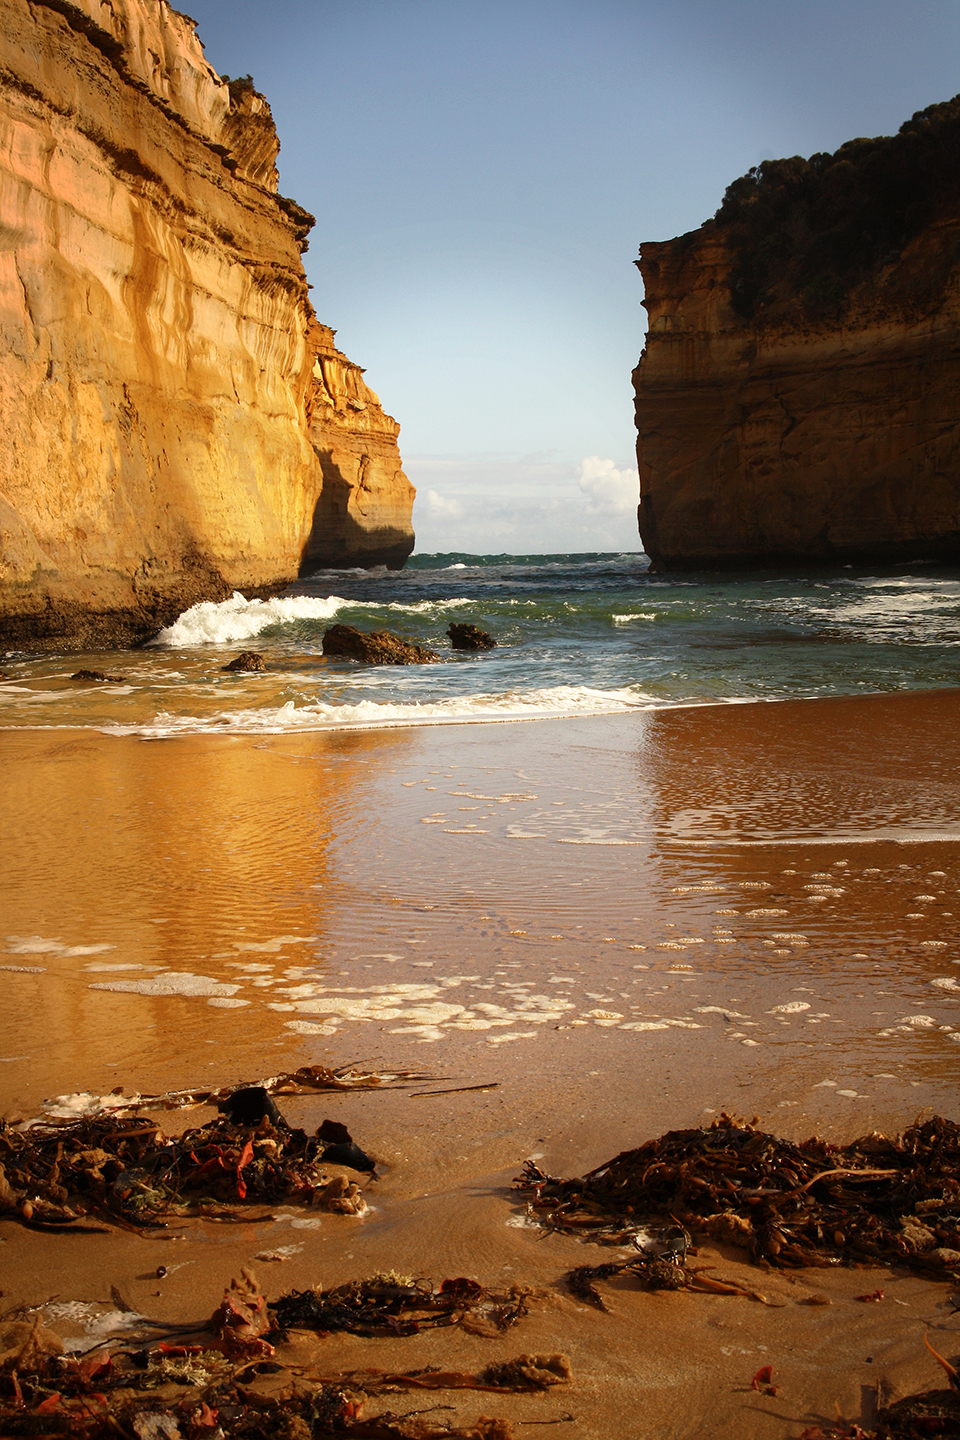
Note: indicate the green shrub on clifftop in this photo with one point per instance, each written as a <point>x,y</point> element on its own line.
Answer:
<point>811,230</point>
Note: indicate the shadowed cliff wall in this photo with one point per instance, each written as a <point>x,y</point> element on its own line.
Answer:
<point>362,515</point>
<point>796,400</point>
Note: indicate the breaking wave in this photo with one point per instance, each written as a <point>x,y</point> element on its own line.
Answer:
<point>239,619</point>
<point>557,701</point>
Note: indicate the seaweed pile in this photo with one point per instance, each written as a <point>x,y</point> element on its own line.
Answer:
<point>232,1385</point>
<point>881,1199</point>
<point>127,1172</point>
<point>401,1305</point>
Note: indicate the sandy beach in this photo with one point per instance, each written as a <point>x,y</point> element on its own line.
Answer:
<point>625,924</point>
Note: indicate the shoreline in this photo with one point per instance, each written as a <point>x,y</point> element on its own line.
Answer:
<point>224,726</point>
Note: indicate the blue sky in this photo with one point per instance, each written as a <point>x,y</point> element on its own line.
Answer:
<point>482,175</point>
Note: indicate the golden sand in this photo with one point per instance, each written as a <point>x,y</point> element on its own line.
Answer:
<point>629,924</point>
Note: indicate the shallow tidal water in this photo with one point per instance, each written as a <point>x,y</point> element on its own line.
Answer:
<point>759,898</point>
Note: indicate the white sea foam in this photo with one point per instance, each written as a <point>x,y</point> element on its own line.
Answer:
<point>172,982</point>
<point>96,1325</point>
<point>39,945</point>
<point>552,702</point>
<point>86,1102</point>
<point>240,619</point>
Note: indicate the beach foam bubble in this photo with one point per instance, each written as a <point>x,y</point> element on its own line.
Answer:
<point>173,982</point>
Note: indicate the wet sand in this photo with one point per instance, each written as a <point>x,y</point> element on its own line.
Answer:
<point>628,924</point>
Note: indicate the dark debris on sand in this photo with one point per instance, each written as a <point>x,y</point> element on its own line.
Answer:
<point>392,1304</point>
<point>230,1384</point>
<point>880,1200</point>
<point>126,1171</point>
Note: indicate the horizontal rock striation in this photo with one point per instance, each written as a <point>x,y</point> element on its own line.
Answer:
<point>160,364</point>
<point>796,399</point>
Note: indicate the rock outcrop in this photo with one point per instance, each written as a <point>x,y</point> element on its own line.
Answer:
<point>362,515</point>
<point>796,399</point>
<point>167,394</point>
<point>374,647</point>
<point>464,636</point>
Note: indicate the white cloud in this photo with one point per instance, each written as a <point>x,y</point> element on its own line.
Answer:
<point>442,506</point>
<point>531,504</point>
<point>609,491</point>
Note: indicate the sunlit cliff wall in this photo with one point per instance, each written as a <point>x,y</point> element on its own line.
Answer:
<point>157,346</point>
<point>797,397</point>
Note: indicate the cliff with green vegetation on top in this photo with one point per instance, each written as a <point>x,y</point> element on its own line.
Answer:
<point>796,399</point>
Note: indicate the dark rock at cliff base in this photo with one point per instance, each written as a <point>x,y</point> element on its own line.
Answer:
<point>468,637</point>
<point>100,676</point>
<point>246,660</point>
<point>374,647</point>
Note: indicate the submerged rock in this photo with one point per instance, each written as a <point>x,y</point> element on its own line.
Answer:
<point>469,637</point>
<point>100,676</point>
<point>374,647</point>
<point>246,660</point>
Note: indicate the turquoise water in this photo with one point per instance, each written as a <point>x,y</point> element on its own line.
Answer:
<point>576,634</point>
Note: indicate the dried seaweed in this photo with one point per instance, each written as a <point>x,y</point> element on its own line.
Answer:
<point>188,1392</point>
<point>393,1304</point>
<point>127,1172</point>
<point>307,1079</point>
<point>880,1200</point>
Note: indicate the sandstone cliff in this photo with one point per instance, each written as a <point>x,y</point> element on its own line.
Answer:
<point>362,516</point>
<point>797,397</point>
<point>170,405</point>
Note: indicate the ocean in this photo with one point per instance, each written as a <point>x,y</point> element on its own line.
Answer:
<point>578,634</point>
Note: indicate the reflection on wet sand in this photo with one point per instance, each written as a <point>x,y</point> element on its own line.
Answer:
<point>133,874</point>
<point>629,924</point>
<point>757,895</point>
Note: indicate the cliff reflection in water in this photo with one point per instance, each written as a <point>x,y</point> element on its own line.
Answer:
<point>197,868</point>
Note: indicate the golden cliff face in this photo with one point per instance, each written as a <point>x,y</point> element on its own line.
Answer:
<point>821,426</point>
<point>362,512</point>
<point>157,344</point>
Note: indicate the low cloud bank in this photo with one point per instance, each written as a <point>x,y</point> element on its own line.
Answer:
<point>527,505</point>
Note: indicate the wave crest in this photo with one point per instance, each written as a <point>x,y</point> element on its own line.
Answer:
<point>212,621</point>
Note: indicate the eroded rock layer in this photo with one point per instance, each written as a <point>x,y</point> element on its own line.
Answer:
<point>796,399</point>
<point>157,345</point>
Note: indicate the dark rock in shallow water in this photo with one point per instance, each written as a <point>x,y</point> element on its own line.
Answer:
<point>246,660</point>
<point>338,1147</point>
<point>374,647</point>
<point>99,675</point>
<point>468,637</point>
